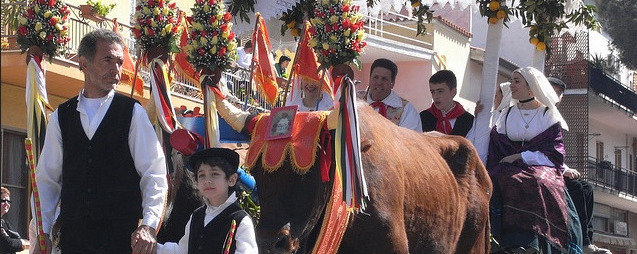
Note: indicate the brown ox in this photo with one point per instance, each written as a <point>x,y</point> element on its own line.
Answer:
<point>429,193</point>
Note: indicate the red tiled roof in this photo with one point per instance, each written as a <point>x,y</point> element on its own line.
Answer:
<point>454,26</point>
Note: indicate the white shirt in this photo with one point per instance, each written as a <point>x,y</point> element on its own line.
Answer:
<point>245,238</point>
<point>481,142</point>
<point>244,59</point>
<point>145,149</point>
<point>515,129</point>
<point>326,103</point>
<point>410,118</point>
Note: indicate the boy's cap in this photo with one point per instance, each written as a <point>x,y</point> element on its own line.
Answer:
<point>230,155</point>
<point>557,82</point>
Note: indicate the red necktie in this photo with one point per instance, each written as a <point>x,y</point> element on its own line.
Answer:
<point>382,107</point>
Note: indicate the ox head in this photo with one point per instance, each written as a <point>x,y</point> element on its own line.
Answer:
<point>291,205</point>
<point>292,202</point>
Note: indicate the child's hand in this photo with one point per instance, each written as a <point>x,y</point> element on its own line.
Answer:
<point>478,109</point>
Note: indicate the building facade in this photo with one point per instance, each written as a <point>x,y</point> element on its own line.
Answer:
<point>602,142</point>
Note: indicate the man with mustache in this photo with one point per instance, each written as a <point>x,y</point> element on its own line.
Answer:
<point>102,161</point>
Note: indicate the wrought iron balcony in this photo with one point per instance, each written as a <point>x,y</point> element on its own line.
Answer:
<point>606,175</point>
<point>612,89</point>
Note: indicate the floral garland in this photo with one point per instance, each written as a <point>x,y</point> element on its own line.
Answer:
<point>336,32</point>
<point>44,25</point>
<point>157,24</point>
<point>212,43</point>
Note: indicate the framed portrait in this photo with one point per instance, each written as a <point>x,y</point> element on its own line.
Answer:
<point>281,122</point>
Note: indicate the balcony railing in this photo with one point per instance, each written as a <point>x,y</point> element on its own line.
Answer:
<point>236,80</point>
<point>612,89</point>
<point>383,26</point>
<point>605,175</point>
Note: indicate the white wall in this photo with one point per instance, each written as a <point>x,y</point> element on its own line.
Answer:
<point>514,45</point>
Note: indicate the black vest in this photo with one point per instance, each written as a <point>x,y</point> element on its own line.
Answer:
<point>461,127</point>
<point>212,237</point>
<point>99,180</point>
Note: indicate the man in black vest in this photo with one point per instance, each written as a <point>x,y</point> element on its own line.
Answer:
<point>445,115</point>
<point>102,161</point>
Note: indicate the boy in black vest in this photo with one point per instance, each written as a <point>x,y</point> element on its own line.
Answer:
<point>220,221</point>
<point>445,115</point>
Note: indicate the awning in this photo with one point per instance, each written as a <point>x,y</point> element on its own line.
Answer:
<point>614,240</point>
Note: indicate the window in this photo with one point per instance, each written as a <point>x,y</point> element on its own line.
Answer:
<point>619,218</point>
<point>600,224</point>
<point>14,176</point>
<point>600,150</point>
<point>601,218</point>
<point>618,158</point>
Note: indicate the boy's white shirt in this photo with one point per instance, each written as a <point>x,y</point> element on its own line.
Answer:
<point>245,238</point>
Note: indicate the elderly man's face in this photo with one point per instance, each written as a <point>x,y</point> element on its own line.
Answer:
<point>103,73</point>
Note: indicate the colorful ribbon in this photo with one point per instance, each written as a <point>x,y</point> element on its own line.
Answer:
<point>347,149</point>
<point>230,237</point>
<point>28,146</point>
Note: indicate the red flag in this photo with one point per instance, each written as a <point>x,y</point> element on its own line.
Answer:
<point>306,57</point>
<point>128,67</point>
<point>264,73</point>
<point>181,62</point>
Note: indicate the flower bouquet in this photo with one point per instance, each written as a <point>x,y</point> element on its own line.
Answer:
<point>336,32</point>
<point>43,25</point>
<point>157,25</point>
<point>212,44</point>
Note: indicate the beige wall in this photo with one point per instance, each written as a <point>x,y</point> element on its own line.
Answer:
<point>411,82</point>
<point>14,107</point>
<point>452,53</point>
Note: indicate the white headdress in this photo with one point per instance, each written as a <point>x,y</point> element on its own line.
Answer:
<point>506,96</point>
<point>542,90</point>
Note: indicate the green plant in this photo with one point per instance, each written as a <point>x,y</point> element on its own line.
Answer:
<point>99,8</point>
<point>11,10</point>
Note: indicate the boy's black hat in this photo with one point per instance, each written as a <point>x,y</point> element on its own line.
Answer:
<point>557,82</point>
<point>230,155</point>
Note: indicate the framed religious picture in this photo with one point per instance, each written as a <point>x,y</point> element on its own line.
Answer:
<point>280,122</point>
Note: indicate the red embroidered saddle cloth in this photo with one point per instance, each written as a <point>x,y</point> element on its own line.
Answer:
<point>301,146</point>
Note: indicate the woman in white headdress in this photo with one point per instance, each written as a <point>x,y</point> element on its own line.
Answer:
<point>530,210</point>
<point>312,97</point>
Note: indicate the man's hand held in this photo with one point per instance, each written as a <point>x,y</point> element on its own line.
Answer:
<point>144,240</point>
